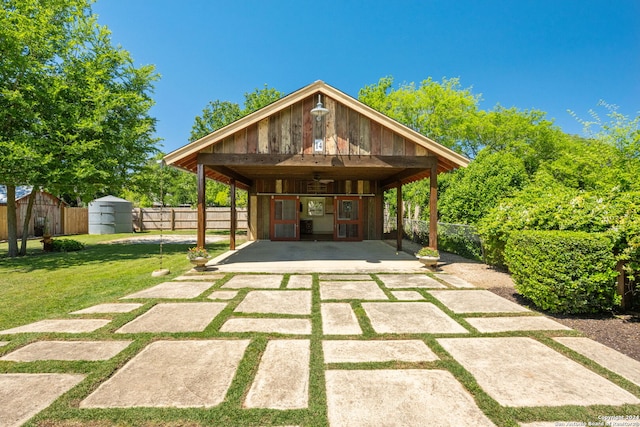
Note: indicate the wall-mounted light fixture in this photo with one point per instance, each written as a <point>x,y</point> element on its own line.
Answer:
<point>319,111</point>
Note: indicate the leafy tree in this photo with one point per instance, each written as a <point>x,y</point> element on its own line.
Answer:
<point>253,101</point>
<point>443,111</point>
<point>73,108</point>
<point>178,188</point>
<point>474,191</point>
<point>591,185</point>
<point>587,164</point>
<point>217,114</point>
<point>524,133</point>
<point>621,133</point>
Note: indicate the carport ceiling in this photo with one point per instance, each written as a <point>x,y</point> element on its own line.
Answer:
<point>387,170</point>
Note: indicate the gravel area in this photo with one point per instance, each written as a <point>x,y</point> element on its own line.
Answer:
<point>618,331</point>
<point>186,239</point>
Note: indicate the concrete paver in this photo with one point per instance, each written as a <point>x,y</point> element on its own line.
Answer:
<point>522,323</point>
<point>347,351</point>
<point>205,277</point>
<point>280,302</point>
<point>338,318</point>
<point>350,290</point>
<point>255,281</point>
<point>170,290</point>
<point>67,350</point>
<point>181,374</point>
<point>300,281</point>
<point>413,397</point>
<point>410,318</point>
<point>24,395</point>
<point>407,295</point>
<point>262,325</point>
<point>519,371</point>
<point>555,424</point>
<point>282,380</point>
<point>607,357</point>
<point>224,295</point>
<point>329,277</point>
<point>109,308</point>
<point>175,317</point>
<point>72,326</point>
<point>404,281</point>
<point>454,281</point>
<point>480,301</point>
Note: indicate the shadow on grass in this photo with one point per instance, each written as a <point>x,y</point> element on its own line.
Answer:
<point>96,254</point>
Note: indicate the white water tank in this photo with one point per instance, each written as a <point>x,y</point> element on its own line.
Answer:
<point>109,215</point>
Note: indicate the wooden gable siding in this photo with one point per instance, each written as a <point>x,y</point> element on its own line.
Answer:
<point>293,130</point>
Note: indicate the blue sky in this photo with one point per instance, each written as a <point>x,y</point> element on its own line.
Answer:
<point>550,55</point>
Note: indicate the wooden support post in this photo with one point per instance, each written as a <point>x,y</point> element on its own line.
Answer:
<point>623,288</point>
<point>252,217</point>
<point>234,215</point>
<point>433,207</point>
<point>399,216</point>
<point>202,207</point>
<point>140,219</point>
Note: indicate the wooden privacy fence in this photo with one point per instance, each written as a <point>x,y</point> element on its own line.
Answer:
<point>64,220</point>
<point>185,218</point>
<point>3,223</point>
<point>76,220</point>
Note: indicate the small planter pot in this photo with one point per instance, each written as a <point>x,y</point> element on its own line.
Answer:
<point>429,261</point>
<point>199,263</point>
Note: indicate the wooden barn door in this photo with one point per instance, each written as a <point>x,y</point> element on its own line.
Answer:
<point>348,218</point>
<point>284,218</point>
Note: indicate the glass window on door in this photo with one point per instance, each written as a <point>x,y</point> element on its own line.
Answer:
<point>347,210</point>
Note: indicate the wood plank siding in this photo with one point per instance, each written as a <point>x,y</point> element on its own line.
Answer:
<point>293,130</point>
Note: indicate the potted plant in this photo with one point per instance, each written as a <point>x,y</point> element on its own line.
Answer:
<point>428,256</point>
<point>198,256</point>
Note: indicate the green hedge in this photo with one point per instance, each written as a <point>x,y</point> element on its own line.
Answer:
<point>66,245</point>
<point>563,271</point>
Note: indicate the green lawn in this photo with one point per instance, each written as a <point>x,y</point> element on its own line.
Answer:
<point>45,285</point>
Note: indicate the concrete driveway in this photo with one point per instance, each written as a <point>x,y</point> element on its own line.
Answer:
<point>311,256</point>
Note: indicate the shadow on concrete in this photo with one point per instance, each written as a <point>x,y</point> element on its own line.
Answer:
<point>316,256</point>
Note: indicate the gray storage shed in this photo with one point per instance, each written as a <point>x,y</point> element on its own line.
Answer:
<point>109,215</point>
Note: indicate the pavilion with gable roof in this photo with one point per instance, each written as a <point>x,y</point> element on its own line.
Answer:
<point>315,164</point>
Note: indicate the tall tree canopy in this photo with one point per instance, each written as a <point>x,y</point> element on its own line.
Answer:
<point>217,114</point>
<point>443,111</point>
<point>179,187</point>
<point>74,110</point>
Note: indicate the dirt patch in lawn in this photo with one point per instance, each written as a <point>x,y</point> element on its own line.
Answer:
<point>185,239</point>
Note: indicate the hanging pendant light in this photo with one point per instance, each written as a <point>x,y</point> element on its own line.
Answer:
<point>319,111</point>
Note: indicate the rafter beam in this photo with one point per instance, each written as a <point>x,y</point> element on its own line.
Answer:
<point>240,179</point>
<point>288,160</point>
<point>401,176</point>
